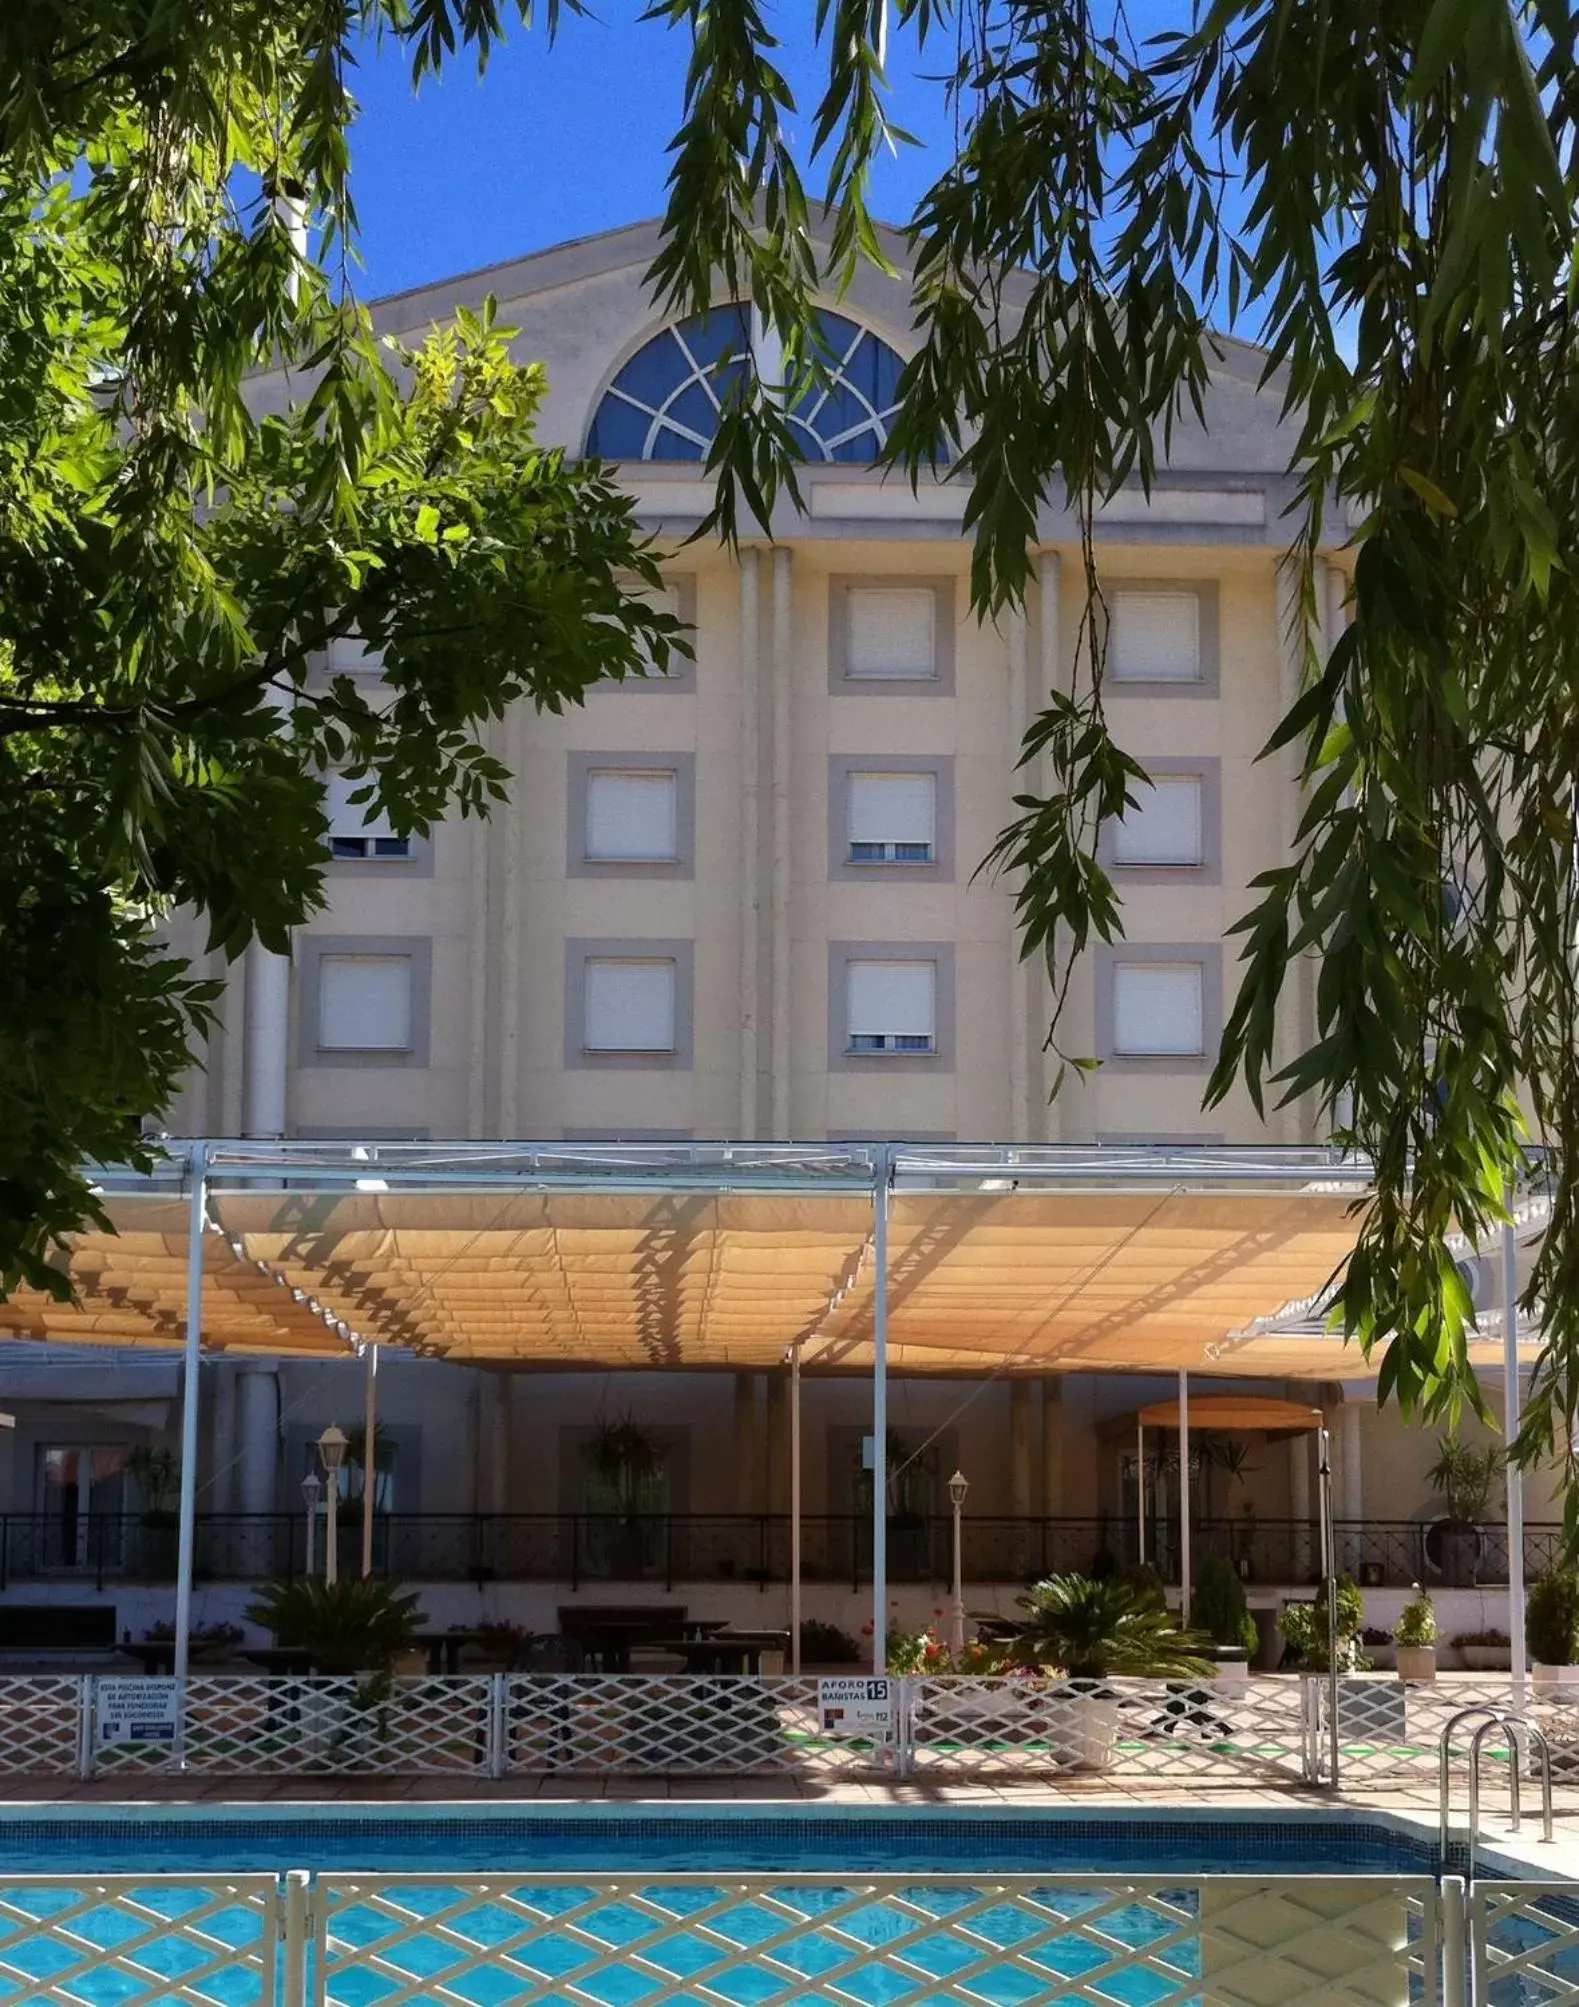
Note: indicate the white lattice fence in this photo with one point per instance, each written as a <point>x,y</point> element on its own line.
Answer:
<point>40,1725</point>
<point>1387,1729</point>
<point>1524,1943</point>
<point>1173,1728</point>
<point>873,1940</point>
<point>272,1726</point>
<point>131,1941</point>
<point>654,1725</point>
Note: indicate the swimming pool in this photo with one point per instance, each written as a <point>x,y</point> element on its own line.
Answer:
<point>736,1839</point>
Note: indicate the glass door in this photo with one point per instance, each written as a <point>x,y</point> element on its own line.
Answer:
<point>82,1500</point>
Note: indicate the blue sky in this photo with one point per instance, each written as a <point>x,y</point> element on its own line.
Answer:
<point>563,141</point>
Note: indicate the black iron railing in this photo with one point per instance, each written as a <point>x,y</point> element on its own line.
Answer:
<point>751,1548</point>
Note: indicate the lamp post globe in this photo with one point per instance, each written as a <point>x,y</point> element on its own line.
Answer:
<point>331,1454</point>
<point>958,1485</point>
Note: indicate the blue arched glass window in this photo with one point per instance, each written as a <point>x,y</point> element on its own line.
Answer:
<point>664,403</point>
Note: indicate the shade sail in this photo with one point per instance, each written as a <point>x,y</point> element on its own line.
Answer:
<point>131,1290</point>
<point>676,1275</point>
<point>1238,1413</point>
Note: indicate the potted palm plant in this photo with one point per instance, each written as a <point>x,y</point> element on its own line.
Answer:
<point>359,1625</point>
<point>1463,1478</point>
<point>1414,1637</point>
<point>1091,1632</point>
<point>1551,1628</point>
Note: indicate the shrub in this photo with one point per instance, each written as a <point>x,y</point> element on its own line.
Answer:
<point>825,1644</point>
<point>358,1624</point>
<point>1219,1608</point>
<point>1092,1629</point>
<point>1551,1618</point>
<point>1416,1620</point>
<point>1464,1477</point>
<point>1497,1639</point>
<point>1143,1582</point>
<point>1304,1627</point>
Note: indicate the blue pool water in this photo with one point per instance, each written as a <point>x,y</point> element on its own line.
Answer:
<point>942,1839</point>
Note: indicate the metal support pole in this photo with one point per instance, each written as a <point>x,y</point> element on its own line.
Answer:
<point>1184,1495</point>
<point>882,1168</point>
<point>1140,1493</point>
<point>795,1615</point>
<point>369,1455</point>
<point>1510,1429</point>
<point>957,1607</point>
<point>197,1169</point>
<point>1329,1576</point>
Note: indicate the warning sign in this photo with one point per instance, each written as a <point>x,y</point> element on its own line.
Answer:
<point>134,1710</point>
<point>852,1704</point>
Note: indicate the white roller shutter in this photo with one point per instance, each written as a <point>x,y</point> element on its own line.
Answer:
<point>893,810</point>
<point>1164,826</point>
<point>364,1003</point>
<point>890,631</point>
<point>1158,1007</point>
<point>891,1001</point>
<point>1154,637</point>
<point>629,1005</point>
<point>631,817</point>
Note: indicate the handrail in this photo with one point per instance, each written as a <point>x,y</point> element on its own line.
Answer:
<point>1508,1720</point>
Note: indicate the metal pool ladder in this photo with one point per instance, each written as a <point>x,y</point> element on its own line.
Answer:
<point>1507,1719</point>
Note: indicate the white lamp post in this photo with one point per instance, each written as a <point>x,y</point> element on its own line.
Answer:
<point>311,1491</point>
<point>958,1485</point>
<point>331,1454</point>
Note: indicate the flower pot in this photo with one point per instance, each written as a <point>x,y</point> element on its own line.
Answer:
<point>1416,1662</point>
<point>1555,1676</point>
<point>1231,1665</point>
<point>1487,1658</point>
<point>1458,1550</point>
<point>1082,1726</point>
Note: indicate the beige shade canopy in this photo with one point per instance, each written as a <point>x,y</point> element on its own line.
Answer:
<point>979,1280</point>
<point>1236,1413</point>
<point>131,1290</point>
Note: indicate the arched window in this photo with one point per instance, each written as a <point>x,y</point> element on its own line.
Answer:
<point>664,404</point>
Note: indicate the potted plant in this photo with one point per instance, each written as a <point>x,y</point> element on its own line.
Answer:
<point>206,1643</point>
<point>627,1460</point>
<point>1091,1632</point>
<point>1551,1628</point>
<point>1463,1478</point>
<point>1415,1635</point>
<point>1485,1651</point>
<point>1378,1647</point>
<point>1304,1627</point>
<point>360,1624</point>
<point>156,1471</point>
<point>1219,1609</point>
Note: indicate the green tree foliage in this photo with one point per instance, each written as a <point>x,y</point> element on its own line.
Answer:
<point>1386,197</point>
<point>179,544</point>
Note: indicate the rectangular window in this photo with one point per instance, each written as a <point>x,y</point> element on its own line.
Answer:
<point>893,818</point>
<point>629,1005</point>
<point>358,830</point>
<point>890,631</point>
<point>364,1003</point>
<point>1159,1008</point>
<point>1154,637</point>
<point>631,816</point>
<point>1164,826</point>
<point>891,1006</point>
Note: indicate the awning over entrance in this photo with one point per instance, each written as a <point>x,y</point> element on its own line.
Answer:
<point>1242,1414</point>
